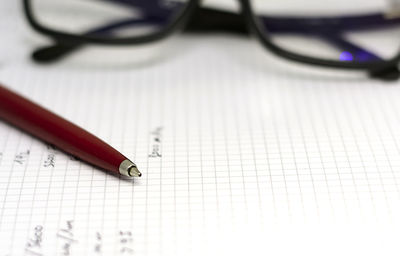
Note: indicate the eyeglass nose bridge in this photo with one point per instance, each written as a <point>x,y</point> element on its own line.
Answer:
<point>205,19</point>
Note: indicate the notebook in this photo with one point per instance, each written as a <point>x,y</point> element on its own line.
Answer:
<point>241,153</point>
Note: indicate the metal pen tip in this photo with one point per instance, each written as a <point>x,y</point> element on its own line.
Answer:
<point>129,169</point>
<point>134,172</point>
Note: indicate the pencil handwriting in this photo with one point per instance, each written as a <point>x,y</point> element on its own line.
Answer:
<point>126,242</point>
<point>98,245</point>
<point>66,234</point>
<point>50,160</point>
<point>22,157</point>
<point>34,244</point>
<point>156,143</point>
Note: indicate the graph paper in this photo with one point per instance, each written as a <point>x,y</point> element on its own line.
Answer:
<point>241,153</point>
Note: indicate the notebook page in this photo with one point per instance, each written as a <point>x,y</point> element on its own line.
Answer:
<point>240,153</point>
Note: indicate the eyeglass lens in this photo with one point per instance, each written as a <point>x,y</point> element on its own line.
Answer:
<point>108,18</point>
<point>341,30</point>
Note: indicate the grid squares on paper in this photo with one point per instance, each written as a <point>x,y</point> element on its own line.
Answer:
<point>220,164</point>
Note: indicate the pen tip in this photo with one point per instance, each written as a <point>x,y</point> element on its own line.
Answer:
<point>129,169</point>
<point>134,172</point>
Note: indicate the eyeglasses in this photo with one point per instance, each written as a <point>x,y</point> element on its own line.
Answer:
<point>346,34</point>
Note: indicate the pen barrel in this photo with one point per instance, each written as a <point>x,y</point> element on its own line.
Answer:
<point>57,131</point>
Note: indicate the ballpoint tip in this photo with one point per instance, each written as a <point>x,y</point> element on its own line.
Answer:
<point>134,172</point>
<point>129,169</point>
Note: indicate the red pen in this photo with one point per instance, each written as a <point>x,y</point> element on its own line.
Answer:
<point>63,134</point>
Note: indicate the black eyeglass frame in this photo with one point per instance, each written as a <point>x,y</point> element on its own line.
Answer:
<point>252,23</point>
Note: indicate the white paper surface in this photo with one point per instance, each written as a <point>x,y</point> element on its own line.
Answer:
<point>241,153</point>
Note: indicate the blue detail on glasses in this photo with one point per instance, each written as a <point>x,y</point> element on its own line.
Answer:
<point>346,56</point>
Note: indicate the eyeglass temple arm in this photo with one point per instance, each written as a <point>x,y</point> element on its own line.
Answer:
<point>387,73</point>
